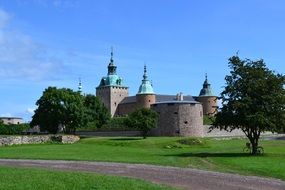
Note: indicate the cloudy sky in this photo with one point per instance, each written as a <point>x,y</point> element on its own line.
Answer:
<point>54,42</point>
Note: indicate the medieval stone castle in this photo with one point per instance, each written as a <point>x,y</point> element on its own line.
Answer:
<point>178,115</point>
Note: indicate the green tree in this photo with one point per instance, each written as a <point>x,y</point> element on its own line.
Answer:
<point>143,119</point>
<point>96,113</point>
<point>59,107</point>
<point>253,100</point>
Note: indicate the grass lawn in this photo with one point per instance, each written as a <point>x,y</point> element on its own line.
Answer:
<point>22,178</point>
<point>210,154</point>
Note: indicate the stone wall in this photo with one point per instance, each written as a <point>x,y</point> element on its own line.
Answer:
<point>37,139</point>
<point>179,119</point>
<point>126,108</point>
<point>145,100</point>
<point>209,104</point>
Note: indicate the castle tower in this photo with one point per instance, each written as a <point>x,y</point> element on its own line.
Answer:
<point>145,96</point>
<point>111,89</point>
<point>208,99</point>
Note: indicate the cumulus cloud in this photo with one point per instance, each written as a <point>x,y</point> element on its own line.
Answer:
<point>21,57</point>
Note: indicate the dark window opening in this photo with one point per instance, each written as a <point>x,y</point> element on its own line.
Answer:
<point>176,112</point>
<point>186,122</point>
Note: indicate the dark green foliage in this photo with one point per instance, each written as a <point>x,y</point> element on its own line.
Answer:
<point>13,129</point>
<point>208,120</point>
<point>117,123</point>
<point>68,109</point>
<point>143,119</point>
<point>253,100</point>
<point>96,113</point>
<point>59,107</point>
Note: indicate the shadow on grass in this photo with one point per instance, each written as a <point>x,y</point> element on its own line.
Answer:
<point>126,139</point>
<point>203,155</point>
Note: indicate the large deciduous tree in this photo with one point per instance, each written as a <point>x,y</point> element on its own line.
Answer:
<point>253,100</point>
<point>59,107</point>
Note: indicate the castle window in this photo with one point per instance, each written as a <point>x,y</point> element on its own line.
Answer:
<point>186,122</point>
<point>148,100</point>
<point>176,112</point>
<point>115,103</point>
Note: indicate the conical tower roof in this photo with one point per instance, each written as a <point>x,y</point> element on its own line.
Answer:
<point>112,79</point>
<point>146,86</point>
<point>206,90</point>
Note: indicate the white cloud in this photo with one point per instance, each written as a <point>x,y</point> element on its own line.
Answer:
<point>22,58</point>
<point>31,111</point>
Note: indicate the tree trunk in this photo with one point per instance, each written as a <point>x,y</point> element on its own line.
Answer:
<point>254,145</point>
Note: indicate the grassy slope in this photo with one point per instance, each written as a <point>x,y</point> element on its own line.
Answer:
<point>19,179</point>
<point>217,155</point>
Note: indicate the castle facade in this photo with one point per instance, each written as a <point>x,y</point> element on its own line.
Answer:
<point>178,115</point>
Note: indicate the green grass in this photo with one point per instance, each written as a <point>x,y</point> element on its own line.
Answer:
<point>23,178</point>
<point>210,154</point>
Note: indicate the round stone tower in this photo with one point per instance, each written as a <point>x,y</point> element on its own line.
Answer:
<point>208,99</point>
<point>145,96</point>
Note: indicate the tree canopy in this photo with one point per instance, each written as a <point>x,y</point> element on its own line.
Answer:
<point>253,100</point>
<point>67,109</point>
<point>143,119</point>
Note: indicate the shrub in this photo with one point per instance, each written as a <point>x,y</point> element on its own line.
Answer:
<point>13,129</point>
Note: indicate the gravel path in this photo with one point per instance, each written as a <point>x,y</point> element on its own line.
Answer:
<point>184,178</point>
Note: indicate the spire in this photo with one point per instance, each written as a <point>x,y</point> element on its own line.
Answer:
<point>145,73</point>
<point>206,90</point>
<point>111,59</point>
<point>146,85</point>
<point>111,67</point>
<point>80,86</point>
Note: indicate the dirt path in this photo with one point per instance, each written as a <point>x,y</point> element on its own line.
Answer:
<point>179,177</point>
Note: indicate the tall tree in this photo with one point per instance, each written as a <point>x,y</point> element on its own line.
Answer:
<point>143,119</point>
<point>59,107</point>
<point>253,100</point>
<point>96,112</point>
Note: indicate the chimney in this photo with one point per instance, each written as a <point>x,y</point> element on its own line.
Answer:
<point>179,96</point>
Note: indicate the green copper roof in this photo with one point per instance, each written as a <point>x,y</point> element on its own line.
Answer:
<point>112,79</point>
<point>206,90</point>
<point>146,86</point>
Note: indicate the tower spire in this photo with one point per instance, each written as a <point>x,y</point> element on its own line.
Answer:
<point>112,53</point>
<point>79,86</point>
<point>145,73</point>
<point>111,67</point>
<point>146,85</point>
<point>206,90</point>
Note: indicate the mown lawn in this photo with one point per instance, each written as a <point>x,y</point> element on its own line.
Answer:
<point>23,178</point>
<point>211,154</point>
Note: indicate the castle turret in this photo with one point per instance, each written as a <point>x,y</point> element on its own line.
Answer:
<point>145,96</point>
<point>208,99</point>
<point>111,89</point>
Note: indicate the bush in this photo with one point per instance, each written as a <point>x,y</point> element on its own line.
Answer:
<point>117,123</point>
<point>13,129</point>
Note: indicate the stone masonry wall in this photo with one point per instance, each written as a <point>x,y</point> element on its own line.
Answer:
<point>37,139</point>
<point>179,119</point>
<point>209,104</point>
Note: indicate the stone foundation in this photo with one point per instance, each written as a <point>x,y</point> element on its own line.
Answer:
<point>37,139</point>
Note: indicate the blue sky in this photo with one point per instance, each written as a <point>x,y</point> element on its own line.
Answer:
<point>54,42</point>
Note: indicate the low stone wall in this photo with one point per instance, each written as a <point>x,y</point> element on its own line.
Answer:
<point>37,139</point>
